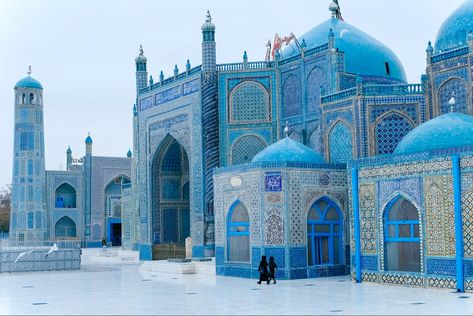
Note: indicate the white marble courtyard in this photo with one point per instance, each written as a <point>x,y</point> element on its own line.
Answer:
<point>101,288</point>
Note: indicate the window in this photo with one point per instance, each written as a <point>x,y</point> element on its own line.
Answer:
<point>65,196</point>
<point>30,220</point>
<point>324,236</point>
<point>23,98</point>
<point>31,98</point>
<point>402,236</point>
<point>238,234</point>
<point>388,70</point>
<point>65,228</point>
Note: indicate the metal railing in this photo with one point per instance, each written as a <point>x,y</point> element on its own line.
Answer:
<point>37,245</point>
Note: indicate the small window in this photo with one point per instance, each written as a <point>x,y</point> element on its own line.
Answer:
<point>31,98</point>
<point>388,70</point>
<point>23,98</point>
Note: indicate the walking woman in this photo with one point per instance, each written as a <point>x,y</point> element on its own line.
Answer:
<point>263,270</point>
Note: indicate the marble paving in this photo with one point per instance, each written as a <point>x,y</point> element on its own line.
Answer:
<point>101,288</point>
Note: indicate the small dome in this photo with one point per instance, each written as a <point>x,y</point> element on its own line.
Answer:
<point>68,151</point>
<point>29,82</point>
<point>208,26</point>
<point>357,46</point>
<point>288,150</point>
<point>141,59</point>
<point>129,154</point>
<point>450,130</point>
<point>454,30</point>
<point>88,140</point>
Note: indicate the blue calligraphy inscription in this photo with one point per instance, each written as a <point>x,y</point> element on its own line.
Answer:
<point>273,182</point>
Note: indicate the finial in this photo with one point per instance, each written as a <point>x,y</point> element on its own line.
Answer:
<point>209,17</point>
<point>141,50</point>
<point>245,56</point>
<point>176,70</point>
<point>452,102</point>
<point>429,49</point>
<point>303,44</point>
<point>151,81</point>
<point>188,65</point>
<point>29,71</point>
<point>286,129</point>
<point>161,76</point>
<point>334,7</point>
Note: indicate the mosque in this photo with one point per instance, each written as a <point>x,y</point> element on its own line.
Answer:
<point>322,156</point>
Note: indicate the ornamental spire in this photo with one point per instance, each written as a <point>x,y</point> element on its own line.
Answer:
<point>334,7</point>
<point>29,71</point>
<point>452,102</point>
<point>209,17</point>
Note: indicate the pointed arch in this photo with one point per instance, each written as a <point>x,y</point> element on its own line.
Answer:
<point>340,142</point>
<point>324,233</point>
<point>65,196</point>
<point>65,227</point>
<point>402,236</point>
<point>170,206</point>
<point>462,95</point>
<point>238,233</point>
<point>389,129</point>
<point>249,103</point>
<point>292,96</point>
<point>245,148</point>
<point>316,84</point>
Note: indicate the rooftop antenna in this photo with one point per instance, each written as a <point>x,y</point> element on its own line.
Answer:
<point>452,102</point>
<point>286,129</point>
<point>29,71</point>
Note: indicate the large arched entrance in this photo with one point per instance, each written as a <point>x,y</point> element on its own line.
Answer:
<point>170,186</point>
<point>65,228</point>
<point>113,209</point>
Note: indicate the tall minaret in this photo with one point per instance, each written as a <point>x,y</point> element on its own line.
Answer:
<point>141,72</point>
<point>210,139</point>
<point>28,209</point>
<point>68,158</point>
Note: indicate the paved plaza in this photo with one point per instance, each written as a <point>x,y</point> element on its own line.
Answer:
<point>102,288</point>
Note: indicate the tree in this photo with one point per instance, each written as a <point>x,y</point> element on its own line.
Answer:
<point>5,207</point>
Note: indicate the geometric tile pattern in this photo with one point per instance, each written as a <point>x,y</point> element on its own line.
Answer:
<point>402,279</point>
<point>292,104</point>
<point>367,219</point>
<point>461,95</point>
<point>249,103</point>
<point>467,216</point>
<point>245,148</point>
<point>274,228</point>
<point>340,142</point>
<point>389,132</point>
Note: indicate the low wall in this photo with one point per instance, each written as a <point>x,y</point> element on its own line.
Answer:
<point>36,259</point>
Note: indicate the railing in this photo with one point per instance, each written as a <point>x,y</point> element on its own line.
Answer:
<point>401,89</point>
<point>169,251</point>
<point>450,54</point>
<point>170,80</point>
<point>339,95</point>
<point>245,66</point>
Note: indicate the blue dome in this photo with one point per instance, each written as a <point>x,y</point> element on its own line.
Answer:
<point>450,130</point>
<point>454,30</point>
<point>129,153</point>
<point>288,150</point>
<point>88,140</point>
<point>364,55</point>
<point>29,82</point>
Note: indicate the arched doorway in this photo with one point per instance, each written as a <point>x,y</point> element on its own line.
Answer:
<point>324,233</point>
<point>113,209</point>
<point>238,233</point>
<point>65,228</point>
<point>401,236</point>
<point>170,186</point>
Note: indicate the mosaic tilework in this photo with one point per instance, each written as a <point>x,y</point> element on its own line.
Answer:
<point>292,96</point>
<point>389,131</point>
<point>402,279</point>
<point>467,216</point>
<point>368,219</point>
<point>369,263</point>
<point>219,256</point>
<point>274,227</point>
<point>245,148</point>
<point>441,266</point>
<point>316,85</point>
<point>369,277</point>
<point>442,283</point>
<point>340,142</point>
<point>298,257</point>
<point>440,230</point>
<point>278,254</point>
<point>461,94</point>
<point>468,285</point>
<point>468,267</point>
<point>255,256</point>
<point>249,102</point>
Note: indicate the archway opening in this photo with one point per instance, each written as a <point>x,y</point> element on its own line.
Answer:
<point>65,196</point>
<point>238,234</point>
<point>65,228</point>
<point>402,236</point>
<point>113,209</point>
<point>171,194</point>
<point>324,233</point>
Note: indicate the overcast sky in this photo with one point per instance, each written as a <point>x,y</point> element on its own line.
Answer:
<point>83,53</point>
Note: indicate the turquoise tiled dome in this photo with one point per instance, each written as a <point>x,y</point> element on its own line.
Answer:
<point>454,30</point>
<point>364,55</point>
<point>29,82</point>
<point>450,130</point>
<point>88,140</point>
<point>288,150</point>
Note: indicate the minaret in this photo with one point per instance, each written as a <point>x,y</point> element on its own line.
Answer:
<point>88,185</point>
<point>68,158</point>
<point>209,59</point>
<point>141,72</point>
<point>28,208</point>
<point>209,133</point>
<point>88,145</point>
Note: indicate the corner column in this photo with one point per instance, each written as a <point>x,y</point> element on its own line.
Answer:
<point>458,223</point>
<point>356,218</point>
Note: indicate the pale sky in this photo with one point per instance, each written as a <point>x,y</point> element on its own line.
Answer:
<point>83,53</point>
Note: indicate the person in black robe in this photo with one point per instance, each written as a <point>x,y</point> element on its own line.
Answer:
<point>272,270</point>
<point>263,270</point>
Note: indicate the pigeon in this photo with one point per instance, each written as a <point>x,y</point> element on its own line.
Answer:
<point>52,249</point>
<point>21,255</point>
